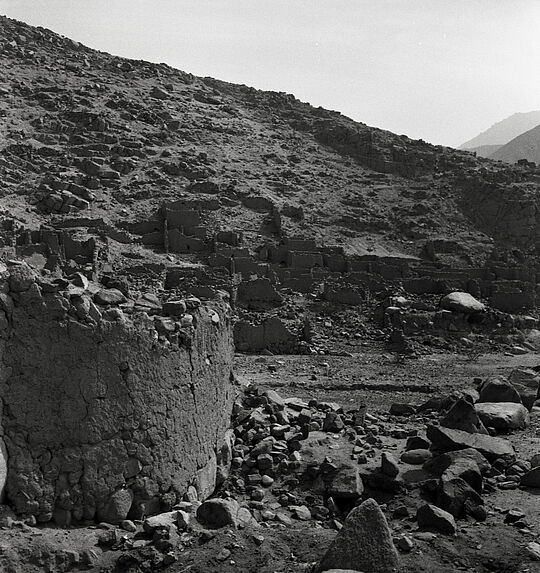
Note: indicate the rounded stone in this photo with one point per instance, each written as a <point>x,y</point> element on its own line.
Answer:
<point>416,457</point>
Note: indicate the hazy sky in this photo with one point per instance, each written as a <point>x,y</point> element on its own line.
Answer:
<point>440,70</point>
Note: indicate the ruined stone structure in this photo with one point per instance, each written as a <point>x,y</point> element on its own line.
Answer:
<point>107,412</point>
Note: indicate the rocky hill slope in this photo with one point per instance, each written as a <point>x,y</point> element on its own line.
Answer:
<point>525,146</point>
<point>124,135</point>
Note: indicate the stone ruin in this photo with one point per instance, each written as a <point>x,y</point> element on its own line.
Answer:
<point>107,412</point>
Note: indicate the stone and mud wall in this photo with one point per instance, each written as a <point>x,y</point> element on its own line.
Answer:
<point>104,413</point>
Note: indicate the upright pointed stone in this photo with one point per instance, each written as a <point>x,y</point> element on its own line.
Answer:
<point>363,544</point>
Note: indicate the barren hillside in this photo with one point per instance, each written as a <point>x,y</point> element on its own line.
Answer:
<point>124,136</point>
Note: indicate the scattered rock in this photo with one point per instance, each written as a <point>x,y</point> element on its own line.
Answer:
<point>346,484</point>
<point>417,443</point>
<point>439,464</point>
<point>109,296</point>
<point>432,517</point>
<point>159,93</point>
<point>456,496</point>
<point>333,422</point>
<point>404,543</point>
<point>163,520</point>
<point>498,390</point>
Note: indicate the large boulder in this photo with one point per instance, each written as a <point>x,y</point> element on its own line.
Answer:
<point>503,415</point>
<point>468,467</point>
<point>466,470</point>
<point>456,496</point>
<point>446,440</point>
<point>498,389</point>
<point>462,302</point>
<point>363,544</point>
<point>109,296</point>
<point>216,513</point>
<point>440,464</point>
<point>21,278</point>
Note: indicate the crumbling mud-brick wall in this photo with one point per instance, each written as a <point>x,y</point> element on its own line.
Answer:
<point>102,415</point>
<point>271,334</point>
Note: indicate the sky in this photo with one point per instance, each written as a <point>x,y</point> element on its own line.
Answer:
<point>438,70</point>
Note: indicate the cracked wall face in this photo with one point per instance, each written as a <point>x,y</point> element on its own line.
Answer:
<point>99,415</point>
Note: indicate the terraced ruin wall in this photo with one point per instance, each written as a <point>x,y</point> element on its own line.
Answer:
<point>102,416</point>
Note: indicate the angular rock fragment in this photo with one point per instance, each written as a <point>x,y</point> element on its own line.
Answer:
<point>346,484</point>
<point>432,517</point>
<point>400,409</point>
<point>364,543</point>
<point>463,416</point>
<point>456,496</point>
<point>446,439</point>
<point>439,464</point>
<point>163,520</point>
<point>389,465</point>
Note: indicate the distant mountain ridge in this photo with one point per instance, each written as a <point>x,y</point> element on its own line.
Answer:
<point>485,150</point>
<point>525,146</point>
<point>504,131</point>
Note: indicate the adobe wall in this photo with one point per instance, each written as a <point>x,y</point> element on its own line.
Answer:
<point>106,414</point>
<point>271,334</point>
